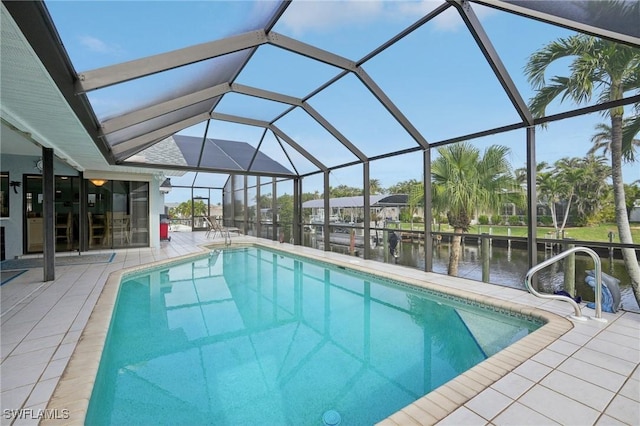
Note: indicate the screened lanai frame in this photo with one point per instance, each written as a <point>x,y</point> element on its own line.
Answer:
<point>125,138</point>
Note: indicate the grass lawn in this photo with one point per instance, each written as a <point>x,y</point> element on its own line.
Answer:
<point>587,233</point>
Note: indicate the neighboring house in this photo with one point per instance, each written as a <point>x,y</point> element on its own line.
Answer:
<point>351,209</point>
<point>634,214</point>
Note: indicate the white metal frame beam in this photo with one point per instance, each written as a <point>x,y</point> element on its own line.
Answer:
<point>153,111</point>
<point>240,120</point>
<point>265,94</point>
<point>133,69</point>
<point>119,73</point>
<point>310,51</point>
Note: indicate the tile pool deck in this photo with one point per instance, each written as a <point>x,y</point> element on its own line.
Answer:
<point>565,373</point>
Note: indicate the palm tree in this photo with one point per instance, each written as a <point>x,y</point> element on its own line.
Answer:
<point>602,140</point>
<point>374,187</point>
<point>404,187</point>
<point>549,191</point>
<point>465,182</point>
<point>592,190</point>
<point>612,70</point>
<point>570,173</point>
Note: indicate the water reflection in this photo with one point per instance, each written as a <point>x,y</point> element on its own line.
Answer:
<point>249,336</point>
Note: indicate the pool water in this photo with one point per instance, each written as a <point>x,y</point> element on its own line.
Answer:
<point>250,336</point>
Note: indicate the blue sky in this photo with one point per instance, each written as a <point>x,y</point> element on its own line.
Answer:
<point>436,75</point>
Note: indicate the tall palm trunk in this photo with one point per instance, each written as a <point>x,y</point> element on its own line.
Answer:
<point>454,256</point>
<point>622,219</point>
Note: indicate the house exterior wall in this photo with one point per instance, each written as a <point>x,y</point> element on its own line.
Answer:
<point>19,165</point>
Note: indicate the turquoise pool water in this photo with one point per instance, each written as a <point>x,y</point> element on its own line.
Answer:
<point>250,336</point>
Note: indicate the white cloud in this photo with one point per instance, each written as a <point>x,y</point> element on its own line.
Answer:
<point>416,8</point>
<point>96,45</point>
<point>448,21</point>
<point>318,16</point>
<point>303,16</point>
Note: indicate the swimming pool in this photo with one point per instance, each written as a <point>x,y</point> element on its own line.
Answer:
<point>250,336</point>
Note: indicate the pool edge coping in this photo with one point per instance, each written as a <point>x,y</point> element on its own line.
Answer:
<point>75,386</point>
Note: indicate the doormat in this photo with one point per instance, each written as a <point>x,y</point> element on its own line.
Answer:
<point>38,262</point>
<point>6,276</point>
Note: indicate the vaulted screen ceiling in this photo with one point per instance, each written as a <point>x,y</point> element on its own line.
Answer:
<point>291,99</point>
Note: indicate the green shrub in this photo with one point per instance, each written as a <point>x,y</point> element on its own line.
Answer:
<point>545,220</point>
<point>514,220</point>
<point>405,216</point>
<point>496,219</point>
<point>483,219</point>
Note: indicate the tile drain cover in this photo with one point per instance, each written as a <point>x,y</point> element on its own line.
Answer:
<point>331,418</point>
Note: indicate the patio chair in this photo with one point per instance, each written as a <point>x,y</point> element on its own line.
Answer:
<point>121,227</point>
<point>212,226</point>
<point>98,229</point>
<point>64,224</point>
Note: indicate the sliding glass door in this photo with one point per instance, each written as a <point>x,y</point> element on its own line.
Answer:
<point>117,214</point>
<point>66,213</point>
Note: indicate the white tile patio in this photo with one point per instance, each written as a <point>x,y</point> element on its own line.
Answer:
<point>586,375</point>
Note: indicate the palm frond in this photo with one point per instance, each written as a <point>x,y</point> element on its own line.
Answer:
<point>538,62</point>
<point>630,130</point>
<point>631,79</point>
<point>545,95</point>
<point>599,66</point>
<point>602,139</point>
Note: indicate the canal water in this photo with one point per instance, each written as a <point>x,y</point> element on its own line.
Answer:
<point>508,267</point>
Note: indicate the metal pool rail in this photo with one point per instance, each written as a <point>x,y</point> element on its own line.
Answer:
<point>598,275</point>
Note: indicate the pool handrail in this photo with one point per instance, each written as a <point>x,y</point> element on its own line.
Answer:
<point>597,272</point>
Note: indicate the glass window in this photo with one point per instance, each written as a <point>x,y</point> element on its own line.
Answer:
<point>67,210</point>
<point>139,195</point>
<point>99,210</point>
<point>4,194</point>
